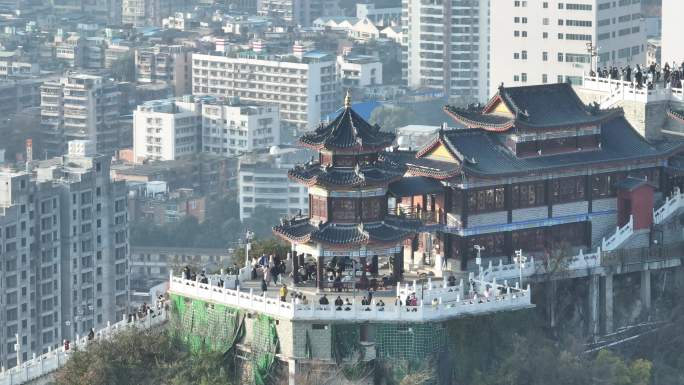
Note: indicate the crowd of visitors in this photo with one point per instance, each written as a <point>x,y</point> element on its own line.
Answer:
<point>270,268</point>
<point>188,273</point>
<point>670,75</point>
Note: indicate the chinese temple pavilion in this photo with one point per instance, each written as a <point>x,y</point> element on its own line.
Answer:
<point>348,226</point>
<point>537,170</point>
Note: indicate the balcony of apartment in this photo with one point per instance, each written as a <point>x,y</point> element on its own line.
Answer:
<point>75,131</point>
<point>75,118</point>
<point>50,111</point>
<point>75,99</point>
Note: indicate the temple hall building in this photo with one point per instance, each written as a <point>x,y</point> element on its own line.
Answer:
<point>536,170</point>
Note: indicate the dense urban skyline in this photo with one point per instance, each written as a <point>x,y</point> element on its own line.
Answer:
<point>331,191</point>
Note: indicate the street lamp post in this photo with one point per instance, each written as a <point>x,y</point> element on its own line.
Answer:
<point>248,245</point>
<point>478,259</point>
<point>520,259</point>
<point>593,52</point>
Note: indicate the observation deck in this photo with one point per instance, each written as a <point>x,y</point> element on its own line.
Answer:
<point>436,301</point>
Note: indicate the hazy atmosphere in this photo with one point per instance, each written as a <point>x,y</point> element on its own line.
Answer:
<point>341,192</point>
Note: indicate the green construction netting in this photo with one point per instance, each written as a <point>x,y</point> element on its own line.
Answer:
<point>264,348</point>
<point>345,340</point>
<point>307,346</point>
<point>202,325</point>
<point>412,342</point>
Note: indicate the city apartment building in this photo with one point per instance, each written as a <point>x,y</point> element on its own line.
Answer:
<point>536,42</point>
<point>15,66</point>
<point>64,239</point>
<point>93,223</point>
<point>168,64</point>
<point>303,86</point>
<point>298,12</point>
<point>233,128</point>
<point>80,107</point>
<point>672,30</point>
<point>19,94</point>
<point>70,48</point>
<point>167,129</point>
<point>381,16</point>
<point>147,13</point>
<point>359,71</point>
<point>263,181</point>
<point>178,128</point>
<point>445,47</point>
<point>30,256</point>
<point>152,264</point>
<point>101,10</point>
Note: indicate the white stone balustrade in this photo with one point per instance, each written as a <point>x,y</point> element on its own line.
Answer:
<point>424,312</point>
<point>621,234</point>
<point>432,289</point>
<point>623,90</point>
<point>672,205</point>
<point>512,271</point>
<point>49,362</point>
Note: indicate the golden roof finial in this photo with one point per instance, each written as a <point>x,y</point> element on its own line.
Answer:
<point>347,99</point>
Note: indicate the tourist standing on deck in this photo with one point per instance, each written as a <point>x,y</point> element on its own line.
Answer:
<point>283,293</point>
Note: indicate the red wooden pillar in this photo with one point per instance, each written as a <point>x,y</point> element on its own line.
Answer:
<point>319,272</point>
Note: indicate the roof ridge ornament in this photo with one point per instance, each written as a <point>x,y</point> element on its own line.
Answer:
<point>348,99</point>
<point>362,229</point>
<point>359,172</point>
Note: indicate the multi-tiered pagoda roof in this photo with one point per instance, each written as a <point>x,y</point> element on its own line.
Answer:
<point>380,172</point>
<point>352,167</point>
<point>348,133</point>
<point>388,232</point>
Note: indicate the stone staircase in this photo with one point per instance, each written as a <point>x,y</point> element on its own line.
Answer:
<point>623,237</point>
